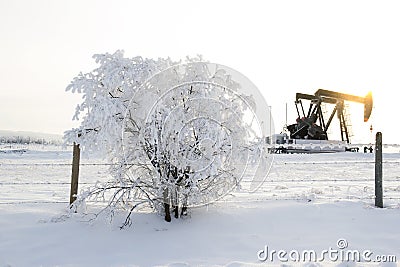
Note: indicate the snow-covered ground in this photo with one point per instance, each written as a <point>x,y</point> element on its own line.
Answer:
<point>308,202</point>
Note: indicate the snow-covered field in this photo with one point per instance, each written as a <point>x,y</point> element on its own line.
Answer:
<point>308,202</point>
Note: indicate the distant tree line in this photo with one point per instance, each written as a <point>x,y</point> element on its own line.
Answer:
<point>27,140</point>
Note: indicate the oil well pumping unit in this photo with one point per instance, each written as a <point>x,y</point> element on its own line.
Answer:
<point>311,123</point>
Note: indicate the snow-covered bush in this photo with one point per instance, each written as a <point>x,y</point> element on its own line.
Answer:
<point>176,133</point>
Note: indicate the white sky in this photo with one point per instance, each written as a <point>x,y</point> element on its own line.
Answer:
<point>284,47</point>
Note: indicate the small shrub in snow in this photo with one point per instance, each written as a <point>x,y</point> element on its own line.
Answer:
<point>177,134</point>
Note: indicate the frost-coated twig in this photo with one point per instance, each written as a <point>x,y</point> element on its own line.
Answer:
<point>128,220</point>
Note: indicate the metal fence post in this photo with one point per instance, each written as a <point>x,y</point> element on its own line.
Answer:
<point>75,173</point>
<point>378,171</point>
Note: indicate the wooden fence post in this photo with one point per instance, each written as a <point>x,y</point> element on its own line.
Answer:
<point>75,173</point>
<point>378,171</point>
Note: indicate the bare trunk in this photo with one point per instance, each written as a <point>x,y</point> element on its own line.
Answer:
<point>166,206</point>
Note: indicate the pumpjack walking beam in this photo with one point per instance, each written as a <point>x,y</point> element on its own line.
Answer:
<point>367,100</point>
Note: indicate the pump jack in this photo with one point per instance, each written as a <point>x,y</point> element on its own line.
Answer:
<point>313,124</point>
